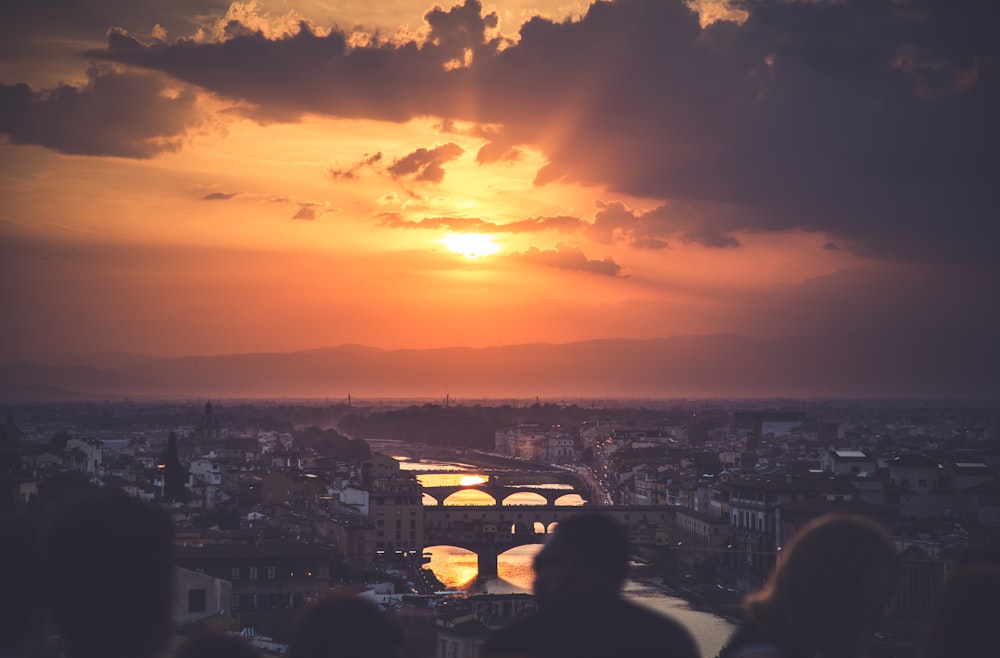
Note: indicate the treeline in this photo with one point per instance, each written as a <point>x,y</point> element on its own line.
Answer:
<point>331,443</point>
<point>474,426</point>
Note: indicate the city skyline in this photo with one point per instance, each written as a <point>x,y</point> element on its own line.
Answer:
<point>216,177</point>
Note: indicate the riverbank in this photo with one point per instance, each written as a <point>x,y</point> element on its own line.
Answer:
<point>655,567</point>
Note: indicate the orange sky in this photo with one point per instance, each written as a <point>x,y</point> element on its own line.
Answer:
<point>161,206</point>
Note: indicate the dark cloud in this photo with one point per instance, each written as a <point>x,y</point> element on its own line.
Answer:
<point>870,120</point>
<point>352,172</point>
<point>498,152</point>
<point>831,246</point>
<point>615,223</point>
<point>219,196</point>
<point>568,258</point>
<point>426,165</point>
<point>459,30</point>
<point>123,114</point>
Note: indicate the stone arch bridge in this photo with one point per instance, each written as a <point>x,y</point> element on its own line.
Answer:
<point>491,530</point>
<point>500,493</point>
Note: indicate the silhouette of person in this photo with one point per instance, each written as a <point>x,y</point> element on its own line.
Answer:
<point>22,616</point>
<point>581,613</point>
<point>215,645</point>
<point>108,564</point>
<point>965,615</point>
<point>828,590</point>
<point>345,627</point>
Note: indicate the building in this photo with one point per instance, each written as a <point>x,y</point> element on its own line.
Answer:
<point>272,580</point>
<point>397,510</point>
<point>203,600</point>
<point>847,462</point>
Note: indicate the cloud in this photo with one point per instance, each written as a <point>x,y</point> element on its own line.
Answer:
<point>426,165</point>
<point>307,212</point>
<point>869,121</point>
<point>651,229</point>
<point>562,224</point>
<point>568,258</point>
<point>310,211</point>
<point>123,114</point>
<point>219,196</point>
<point>351,173</point>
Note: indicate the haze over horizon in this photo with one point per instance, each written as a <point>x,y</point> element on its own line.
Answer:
<point>221,178</point>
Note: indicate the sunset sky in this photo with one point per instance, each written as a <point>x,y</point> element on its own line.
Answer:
<point>208,177</point>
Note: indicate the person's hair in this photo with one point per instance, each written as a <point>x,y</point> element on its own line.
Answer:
<point>965,614</point>
<point>833,583</point>
<point>345,627</point>
<point>215,645</point>
<point>109,562</point>
<point>596,544</point>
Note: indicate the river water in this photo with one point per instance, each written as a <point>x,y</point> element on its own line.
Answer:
<point>456,567</point>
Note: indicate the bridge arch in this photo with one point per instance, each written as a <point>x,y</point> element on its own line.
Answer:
<point>469,496</point>
<point>524,498</point>
<point>570,499</point>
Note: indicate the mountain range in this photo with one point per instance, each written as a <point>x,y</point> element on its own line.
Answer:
<point>853,366</point>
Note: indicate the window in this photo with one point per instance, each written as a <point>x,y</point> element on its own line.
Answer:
<point>196,600</point>
<point>271,573</point>
<point>253,573</point>
<point>234,573</point>
<point>235,603</point>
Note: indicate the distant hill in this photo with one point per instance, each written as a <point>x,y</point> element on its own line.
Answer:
<point>683,366</point>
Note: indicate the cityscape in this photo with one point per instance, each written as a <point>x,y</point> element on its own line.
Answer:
<point>499,329</point>
<point>275,504</point>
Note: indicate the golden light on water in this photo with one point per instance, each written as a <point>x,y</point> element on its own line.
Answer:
<point>471,480</point>
<point>458,568</point>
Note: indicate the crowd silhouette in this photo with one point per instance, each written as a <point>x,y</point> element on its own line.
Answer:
<point>104,563</point>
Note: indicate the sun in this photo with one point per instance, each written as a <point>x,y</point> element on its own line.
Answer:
<point>470,245</point>
<point>471,480</point>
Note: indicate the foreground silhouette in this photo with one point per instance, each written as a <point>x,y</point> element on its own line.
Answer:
<point>108,565</point>
<point>22,617</point>
<point>832,585</point>
<point>965,616</point>
<point>215,645</point>
<point>578,578</point>
<point>345,627</point>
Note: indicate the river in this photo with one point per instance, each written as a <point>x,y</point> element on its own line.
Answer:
<point>456,567</point>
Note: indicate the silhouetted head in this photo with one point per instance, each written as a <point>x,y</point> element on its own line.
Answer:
<point>215,645</point>
<point>834,581</point>
<point>965,615</point>
<point>345,627</point>
<point>587,555</point>
<point>108,561</point>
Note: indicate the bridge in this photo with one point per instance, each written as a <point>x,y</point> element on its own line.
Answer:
<point>490,530</point>
<point>500,493</point>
